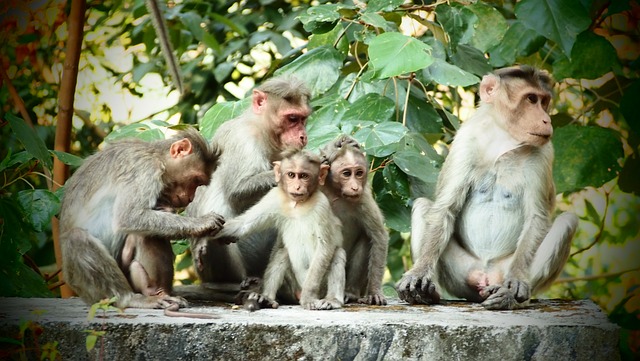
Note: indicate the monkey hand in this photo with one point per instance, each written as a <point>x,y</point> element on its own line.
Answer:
<point>511,294</point>
<point>375,299</point>
<point>415,289</point>
<point>212,224</point>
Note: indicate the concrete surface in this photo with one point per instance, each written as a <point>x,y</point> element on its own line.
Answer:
<point>548,330</point>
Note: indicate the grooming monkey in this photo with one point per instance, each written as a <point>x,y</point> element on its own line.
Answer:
<point>488,236</point>
<point>366,240</point>
<point>114,219</point>
<point>307,260</point>
<point>249,144</point>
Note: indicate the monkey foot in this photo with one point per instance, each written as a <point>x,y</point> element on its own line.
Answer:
<point>417,290</point>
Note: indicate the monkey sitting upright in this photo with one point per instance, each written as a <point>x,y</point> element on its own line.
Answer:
<point>116,219</point>
<point>307,260</point>
<point>488,236</point>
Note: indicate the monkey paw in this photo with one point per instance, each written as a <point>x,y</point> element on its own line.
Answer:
<point>324,304</point>
<point>415,289</point>
<point>213,223</point>
<point>375,299</point>
<point>512,294</point>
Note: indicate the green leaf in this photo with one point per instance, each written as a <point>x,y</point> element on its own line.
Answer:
<point>472,60</point>
<point>383,5</point>
<point>629,181</point>
<point>591,57</point>
<point>458,21</point>
<point>375,20</point>
<point>373,107</point>
<point>320,134</point>
<point>417,164</point>
<point>629,106</point>
<point>315,19</point>
<point>380,140</point>
<point>68,159</point>
<point>592,214</point>
<point>517,42</point>
<point>393,54</point>
<point>447,74</point>
<point>39,205</point>
<point>319,68</point>
<point>490,29</point>
<point>397,215</point>
<point>585,156</point>
<point>422,117</point>
<point>393,180</point>
<point>12,159</point>
<point>558,20</point>
<point>329,38</point>
<point>142,131</point>
<point>330,113</point>
<point>30,140</point>
<point>220,113</point>
<point>91,342</point>
<point>179,247</point>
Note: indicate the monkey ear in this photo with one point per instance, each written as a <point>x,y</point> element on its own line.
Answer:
<point>180,148</point>
<point>259,101</point>
<point>276,170</point>
<point>322,176</point>
<point>488,88</point>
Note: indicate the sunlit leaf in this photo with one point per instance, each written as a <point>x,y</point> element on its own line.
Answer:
<point>373,107</point>
<point>220,113</point>
<point>393,54</point>
<point>383,5</point>
<point>142,131</point>
<point>417,165</point>
<point>591,57</point>
<point>319,68</point>
<point>380,140</point>
<point>444,73</point>
<point>91,342</point>
<point>558,20</point>
<point>30,140</point>
<point>585,156</point>
<point>39,205</point>
<point>490,27</point>
<point>68,159</point>
<point>375,20</point>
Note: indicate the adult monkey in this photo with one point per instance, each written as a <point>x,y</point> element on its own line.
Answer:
<point>114,218</point>
<point>488,237</point>
<point>248,144</point>
<point>366,241</point>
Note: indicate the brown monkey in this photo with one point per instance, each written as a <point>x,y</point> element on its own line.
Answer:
<point>488,236</point>
<point>307,260</point>
<point>113,195</point>
<point>249,144</point>
<point>366,240</point>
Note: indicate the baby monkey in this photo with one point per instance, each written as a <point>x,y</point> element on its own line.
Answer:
<point>307,260</point>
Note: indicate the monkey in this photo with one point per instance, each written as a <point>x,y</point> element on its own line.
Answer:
<point>249,144</point>
<point>125,190</point>
<point>489,236</point>
<point>366,241</point>
<point>308,259</point>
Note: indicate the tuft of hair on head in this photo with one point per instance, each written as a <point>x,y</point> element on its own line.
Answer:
<point>339,148</point>
<point>289,88</point>
<point>531,75</point>
<point>292,153</point>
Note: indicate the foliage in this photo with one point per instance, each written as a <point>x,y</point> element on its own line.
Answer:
<point>21,346</point>
<point>398,76</point>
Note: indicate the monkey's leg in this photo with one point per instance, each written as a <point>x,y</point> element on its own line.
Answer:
<point>217,262</point>
<point>356,272</point>
<point>418,224</point>
<point>462,274</point>
<point>335,283</point>
<point>553,252</point>
<point>94,275</point>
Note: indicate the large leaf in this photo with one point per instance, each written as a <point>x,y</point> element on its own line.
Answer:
<point>38,205</point>
<point>458,21</point>
<point>380,140</point>
<point>591,57</point>
<point>422,117</point>
<point>320,19</point>
<point>518,41</point>
<point>471,60</point>
<point>558,20</point>
<point>444,73</point>
<point>220,113</point>
<point>30,140</point>
<point>373,107</point>
<point>629,106</point>
<point>383,5</point>
<point>490,28</point>
<point>585,156</point>
<point>68,159</point>
<point>320,134</point>
<point>397,215</point>
<point>393,54</point>
<point>319,68</point>
<point>144,131</point>
<point>417,164</point>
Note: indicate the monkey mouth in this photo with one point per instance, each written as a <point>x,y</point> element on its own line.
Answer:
<point>541,135</point>
<point>297,195</point>
<point>351,197</point>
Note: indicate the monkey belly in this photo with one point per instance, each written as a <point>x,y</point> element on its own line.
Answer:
<point>491,222</point>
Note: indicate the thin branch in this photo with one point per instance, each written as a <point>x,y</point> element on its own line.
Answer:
<point>17,100</point>
<point>600,229</point>
<point>595,277</point>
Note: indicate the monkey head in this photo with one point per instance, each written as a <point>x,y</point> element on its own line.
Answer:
<point>284,105</point>
<point>299,174</point>
<point>348,173</point>
<point>184,171</point>
<point>521,97</point>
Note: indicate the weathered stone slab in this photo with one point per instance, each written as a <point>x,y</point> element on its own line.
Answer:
<point>548,330</point>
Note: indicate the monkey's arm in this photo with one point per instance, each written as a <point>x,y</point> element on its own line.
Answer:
<point>379,241</point>
<point>147,221</point>
<point>258,218</point>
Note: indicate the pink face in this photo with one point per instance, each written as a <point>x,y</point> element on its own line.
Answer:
<point>292,125</point>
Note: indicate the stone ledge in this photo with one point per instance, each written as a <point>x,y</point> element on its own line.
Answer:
<point>548,330</point>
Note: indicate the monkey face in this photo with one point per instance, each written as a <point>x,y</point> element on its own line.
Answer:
<point>292,124</point>
<point>349,175</point>
<point>531,123</point>
<point>182,177</point>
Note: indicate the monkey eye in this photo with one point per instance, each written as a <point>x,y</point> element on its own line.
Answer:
<point>532,98</point>
<point>359,173</point>
<point>304,176</point>
<point>291,175</point>
<point>293,118</point>
<point>346,173</point>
